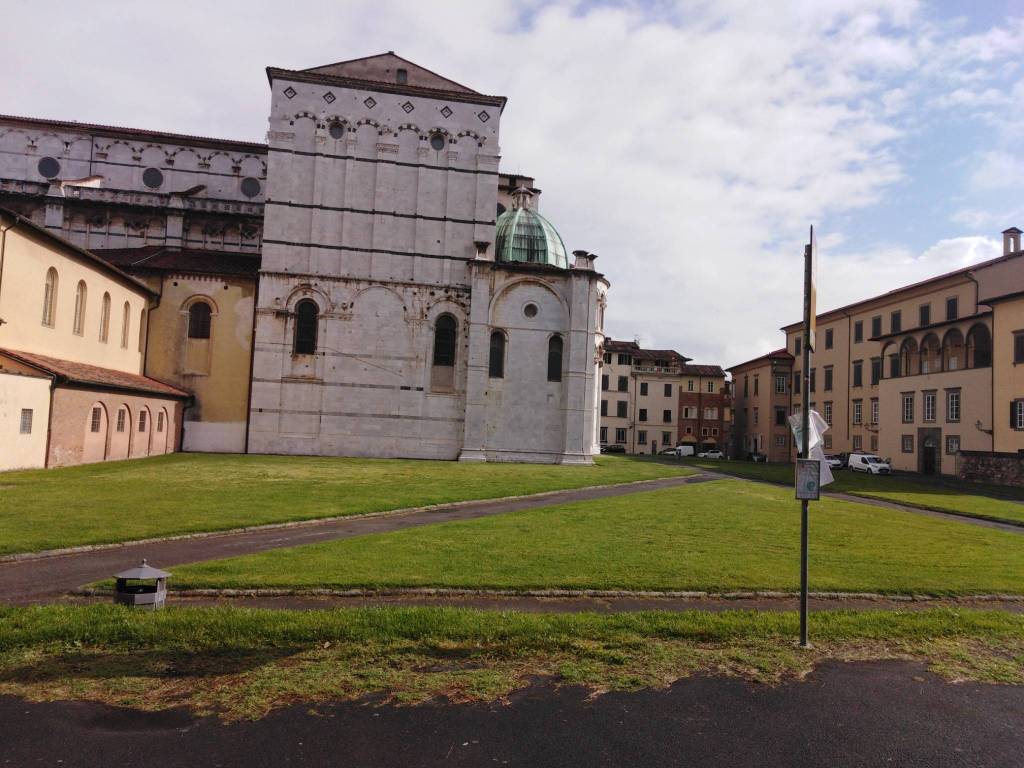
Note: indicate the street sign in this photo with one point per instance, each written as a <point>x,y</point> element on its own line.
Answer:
<point>808,480</point>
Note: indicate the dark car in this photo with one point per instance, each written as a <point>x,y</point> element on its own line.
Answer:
<point>613,448</point>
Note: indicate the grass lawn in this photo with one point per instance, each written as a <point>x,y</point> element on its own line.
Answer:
<point>241,663</point>
<point>975,499</point>
<point>187,493</point>
<point>721,535</point>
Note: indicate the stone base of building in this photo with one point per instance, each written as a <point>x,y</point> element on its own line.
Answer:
<point>991,467</point>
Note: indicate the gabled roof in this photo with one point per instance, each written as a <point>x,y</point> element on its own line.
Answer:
<point>633,348</point>
<point>160,258</point>
<point>381,67</point>
<point>20,222</point>
<point>70,372</point>
<point>778,354</point>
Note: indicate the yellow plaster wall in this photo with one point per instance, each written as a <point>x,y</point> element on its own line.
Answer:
<point>18,451</point>
<point>27,258</point>
<point>1008,377</point>
<point>215,372</point>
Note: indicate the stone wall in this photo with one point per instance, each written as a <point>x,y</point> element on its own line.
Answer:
<point>987,467</point>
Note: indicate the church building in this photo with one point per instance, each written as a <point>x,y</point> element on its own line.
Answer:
<point>366,284</point>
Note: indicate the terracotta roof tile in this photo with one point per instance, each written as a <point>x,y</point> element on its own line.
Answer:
<point>702,370</point>
<point>82,373</point>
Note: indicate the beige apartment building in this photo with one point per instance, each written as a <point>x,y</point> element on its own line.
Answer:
<point>909,373</point>
<point>640,397</point>
<point>761,403</point>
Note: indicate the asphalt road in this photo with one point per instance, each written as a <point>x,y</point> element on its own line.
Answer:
<point>843,715</point>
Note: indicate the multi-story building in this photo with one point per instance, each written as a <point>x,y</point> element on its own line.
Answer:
<point>73,335</point>
<point>909,373</point>
<point>640,396</point>
<point>761,403</point>
<point>705,408</point>
<point>365,283</point>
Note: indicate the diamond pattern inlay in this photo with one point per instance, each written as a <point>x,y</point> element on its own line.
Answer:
<point>484,117</point>
<point>408,107</point>
<point>369,102</point>
<point>329,97</point>
<point>290,92</point>
<point>446,111</point>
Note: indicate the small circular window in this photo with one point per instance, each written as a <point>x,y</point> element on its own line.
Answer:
<point>250,187</point>
<point>337,130</point>
<point>437,141</point>
<point>152,177</point>
<point>49,167</point>
<point>530,310</point>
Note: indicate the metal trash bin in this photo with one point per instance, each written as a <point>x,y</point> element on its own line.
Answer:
<point>141,587</point>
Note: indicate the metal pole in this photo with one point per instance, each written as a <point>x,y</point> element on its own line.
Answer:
<point>805,442</point>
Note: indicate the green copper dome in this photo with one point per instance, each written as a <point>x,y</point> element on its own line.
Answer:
<point>523,235</point>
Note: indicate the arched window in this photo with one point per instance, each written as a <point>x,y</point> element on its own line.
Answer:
<point>199,320</point>
<point>142,329</point>
<point>496,367</point>
<point>979,347</point>
<point>105,318</point>
<point>931,354</point>
<point>80,294</point>
<point>910,358</point>
<point>50,298</point>
<point>952,350</point>
<point>306,321</point>
<point>126,319</point>
<point>442,370</point>
<point>555,358</point>
<point>444,341</point>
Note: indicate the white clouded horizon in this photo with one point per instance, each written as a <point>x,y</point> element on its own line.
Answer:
<point>688,144</point>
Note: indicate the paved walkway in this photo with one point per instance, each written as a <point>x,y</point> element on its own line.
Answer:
<point>31,581</point>
<point>842,716</point>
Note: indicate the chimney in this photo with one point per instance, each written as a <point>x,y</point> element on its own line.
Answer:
<point>584,260</point>
<point>1011,240</point>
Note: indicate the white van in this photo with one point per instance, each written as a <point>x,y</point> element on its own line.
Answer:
<point>868,462</point>
<point>684,450</point>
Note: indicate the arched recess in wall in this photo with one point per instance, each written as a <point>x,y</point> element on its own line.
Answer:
<point>199,313</point>
<point>953,350</point>
<point>979,346</point>
<point>143,432</point>
<point>307,328</point>
<point>527,282</point>
<point>50,298</point>
<point>931,354</point>
<point>94,444</point>
<point>121,433</point>
<point>105,318</point>
<point>496,357</point>
<point>162,432</point>
<point>81,294</point>
<point>910,358</point>
<point>556,349</point>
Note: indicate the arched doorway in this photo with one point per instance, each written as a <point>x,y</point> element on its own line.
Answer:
<point>144,432</point>
<point>121,433</point>
<point>162,434</point>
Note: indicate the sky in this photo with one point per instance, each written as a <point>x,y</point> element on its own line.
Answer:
<point>689,144</point>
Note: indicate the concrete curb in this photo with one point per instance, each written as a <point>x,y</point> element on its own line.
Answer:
<point>48,553</point>
<point>593,593</point>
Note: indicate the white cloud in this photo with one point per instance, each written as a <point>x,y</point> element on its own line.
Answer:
<point>690,149</point>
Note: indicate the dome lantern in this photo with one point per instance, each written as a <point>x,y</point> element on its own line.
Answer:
<point>522,235</point>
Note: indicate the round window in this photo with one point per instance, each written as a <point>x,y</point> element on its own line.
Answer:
<point>337,130</point>
<point>152,178</point>
<point>49,167</point>
<point>437,141</point>
<point>530,310</point>
<point>250,187</point>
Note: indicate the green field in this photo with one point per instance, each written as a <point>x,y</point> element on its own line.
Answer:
<point>945,495</point>
<point>242,663</point>
<point>716,536</point>
<point>189,493</point>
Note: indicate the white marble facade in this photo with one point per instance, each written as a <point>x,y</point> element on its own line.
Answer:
<point>381,201</point>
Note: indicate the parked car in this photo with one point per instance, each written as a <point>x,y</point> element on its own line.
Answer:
<point>834,462</point>
<point>613,448</point>
<point>868,462</point>
<point>757,457</point>
<point>711,455</point>
<point>667,452</point>
<point>683,450</point>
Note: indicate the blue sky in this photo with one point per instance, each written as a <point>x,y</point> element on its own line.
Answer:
<point>689,144</point>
